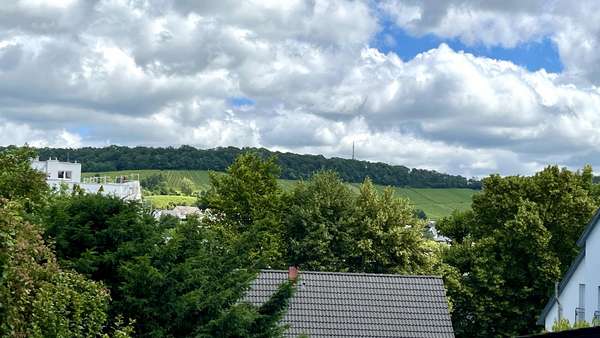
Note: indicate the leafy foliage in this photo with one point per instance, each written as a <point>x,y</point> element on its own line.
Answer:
<point>187,186</point>
<point>94,233</point>
<point>518,239</point>
<point>180,278</point>
<point>329,228</point>
<point>37,298</point>
<point>19,181</point>
<point>242,320</point>
<point>248,201</point>
<point>156,183</point>
<point>178,288</point>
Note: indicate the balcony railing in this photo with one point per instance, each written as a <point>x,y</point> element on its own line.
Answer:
<point>579,314</point>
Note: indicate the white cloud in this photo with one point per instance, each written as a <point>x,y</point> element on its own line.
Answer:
<point>165,73</point>
<point>572,26</point>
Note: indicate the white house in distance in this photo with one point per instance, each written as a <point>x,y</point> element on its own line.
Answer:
<point>69,174</point>
<point>579,291</point>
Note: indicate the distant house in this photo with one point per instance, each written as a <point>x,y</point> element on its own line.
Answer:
<point>180,211</point>
<point>68,174</point>
<point>432,232</point>
<point>579,291</point>
<point>328,304</point>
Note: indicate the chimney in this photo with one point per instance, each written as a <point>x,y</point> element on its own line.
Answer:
<point>292,273</point>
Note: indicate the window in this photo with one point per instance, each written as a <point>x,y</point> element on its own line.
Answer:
<point>68,175</point>
<point>61,174</point>
<point>580,310</point>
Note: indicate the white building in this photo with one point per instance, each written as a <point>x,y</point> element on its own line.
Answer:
<point>435,235</point>
<point>68,174</point>
<point>180,211</point>
<point>579,291</point>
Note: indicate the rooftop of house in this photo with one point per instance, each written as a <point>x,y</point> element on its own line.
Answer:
<point>328,304</point>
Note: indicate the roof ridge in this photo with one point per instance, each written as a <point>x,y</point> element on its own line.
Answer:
<point>354,273</point>
<point>588,228</point>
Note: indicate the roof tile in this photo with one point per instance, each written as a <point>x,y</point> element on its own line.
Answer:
<point>330,304</point>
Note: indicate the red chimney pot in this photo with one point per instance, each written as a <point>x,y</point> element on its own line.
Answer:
<point>292,273</point>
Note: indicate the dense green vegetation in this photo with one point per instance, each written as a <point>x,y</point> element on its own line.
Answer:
<point>39,298</point>
<point>114,270</point>
<point>436,203</point>
<point>168,201</point>
<point>518,239</point>
<point>293,166</point>
<point>114,264</point>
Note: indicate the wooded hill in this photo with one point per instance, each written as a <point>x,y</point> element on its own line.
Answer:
<point>293,166</point>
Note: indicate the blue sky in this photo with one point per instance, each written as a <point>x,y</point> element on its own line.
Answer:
<point>533,55</point>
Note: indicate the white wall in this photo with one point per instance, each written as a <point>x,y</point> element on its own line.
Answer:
<point>569,298</point>
<point>52,167</point>
<point>588,273</point>
<point>130,191</point>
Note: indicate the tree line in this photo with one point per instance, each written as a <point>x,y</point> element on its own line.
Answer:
<point>293,166</point>
<point>81,265</point>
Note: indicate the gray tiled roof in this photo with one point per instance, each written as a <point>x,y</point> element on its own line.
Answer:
<point>330,304</point>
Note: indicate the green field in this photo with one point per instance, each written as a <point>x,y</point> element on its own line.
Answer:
<point>164,201</point>
<point>436,203</point>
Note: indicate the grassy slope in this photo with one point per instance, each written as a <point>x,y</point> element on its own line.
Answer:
<point>435,202</point>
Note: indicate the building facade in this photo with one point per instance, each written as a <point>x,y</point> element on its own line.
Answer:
<point>578,296</point>
<point>67,174</point>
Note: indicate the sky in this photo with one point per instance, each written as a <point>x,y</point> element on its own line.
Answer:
<point>466,87</point>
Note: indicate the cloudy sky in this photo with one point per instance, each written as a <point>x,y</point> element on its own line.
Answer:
<point>468,86</point>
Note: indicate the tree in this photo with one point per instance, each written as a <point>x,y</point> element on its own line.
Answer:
<point>178,287</point>
<point>388,237</point>
<point>37,298</point>
<point>565,202</point>
<point>246,320</point>
<point>248,200</point>
<point>317,217</point>
<point>94,233</point>
<point>518,239</point>
<point>187,186</point>
<point>156,184</point>
<point>172,278</point>
<point>330,228</point>
<point>19,181</point>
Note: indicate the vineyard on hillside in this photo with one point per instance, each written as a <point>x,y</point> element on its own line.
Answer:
<point>436,203</point>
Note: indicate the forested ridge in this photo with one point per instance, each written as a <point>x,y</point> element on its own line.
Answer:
<point>293,166</point>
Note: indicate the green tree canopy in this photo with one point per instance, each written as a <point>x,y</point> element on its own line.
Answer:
<point>37,298</point>
<point>248,200</point>
<point>187,186</point>
<point>330,228</point>
<point>18,180</point>
<point>519,238</point>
